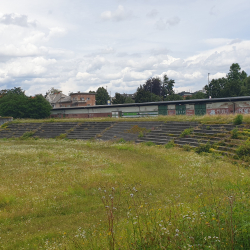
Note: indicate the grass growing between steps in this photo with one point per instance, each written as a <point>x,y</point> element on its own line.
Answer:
<point>206,119</point>
<point>90,195</point>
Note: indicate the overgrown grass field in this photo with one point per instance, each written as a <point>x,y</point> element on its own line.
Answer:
<point>205,119</point>
<point>66,194</point>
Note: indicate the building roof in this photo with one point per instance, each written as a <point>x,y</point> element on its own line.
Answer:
<point>54,98</point>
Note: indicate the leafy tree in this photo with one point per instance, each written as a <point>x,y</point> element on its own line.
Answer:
<point>245,89</point>
<point>168,85</point>
<point>16,104</point>
<point>235,84</point>
<point>52,91</point>
<point>38,107</point>
<point>129,100</point>
<point>119,99</point>
<point>197,95</point>
<point>153,85</point>
<point>216,88</point>
<point>102,96</point>
<point>173,97</point>
<point>145,96</point>
<point>235,74</point>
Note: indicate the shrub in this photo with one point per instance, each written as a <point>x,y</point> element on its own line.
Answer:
<point>238,120</point>
<point>186,132</point>
<point>149,143</point>
<point>187,147</point>
<point>121,140</point>
<point>234,133</point>
<point>208,127</point>
<point>140,134</point>
<point>27,135</point>
<point>203,148</point>
<point>243,150</point>
<point>61,136</point>
<point>170,144</point>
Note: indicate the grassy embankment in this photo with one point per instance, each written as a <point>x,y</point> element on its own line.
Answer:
<point>58,194</point>
<point>206,119</point>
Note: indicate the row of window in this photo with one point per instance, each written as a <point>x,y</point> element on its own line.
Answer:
<point>81,99</point>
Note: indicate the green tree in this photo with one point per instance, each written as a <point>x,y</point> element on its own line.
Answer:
<point>129,100</point>
<point>102,96</point>
<point>234,84</point>
<point>235,74</point>
<point>145,96</point>
<point>38,107</point>
<point>16,104</point>
<point>197,95</point>
<point>154,85</point>
<point>119,99</point>
<point>216,88</point>
<point>173,97</point>
<point>168,86</point>
<point>52,91</point>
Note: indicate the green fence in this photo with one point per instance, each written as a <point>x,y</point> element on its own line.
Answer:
<point>163,109</point>
<point>200,109</point>
<point>180,109</point>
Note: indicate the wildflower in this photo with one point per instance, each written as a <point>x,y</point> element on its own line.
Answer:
<point>131,195</point>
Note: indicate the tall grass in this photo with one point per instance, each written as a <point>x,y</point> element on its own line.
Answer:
<point>206,119</point>
<point>88,195</point>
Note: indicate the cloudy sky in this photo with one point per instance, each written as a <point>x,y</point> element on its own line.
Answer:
<point>80,45</point>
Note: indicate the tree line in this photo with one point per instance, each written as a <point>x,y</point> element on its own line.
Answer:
<point>14,103</point>
<point>236,83</point>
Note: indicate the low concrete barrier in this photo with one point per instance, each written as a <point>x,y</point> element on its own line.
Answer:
<point>5,119</point>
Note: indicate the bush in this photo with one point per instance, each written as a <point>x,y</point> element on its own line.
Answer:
<point>140,134</point>
<point>121,140</point>
<point>61,136</point>
<point>203,148</point>
<point>27,135</point>
<point>238,120</point>
<point>187,147</point>
<point>170,144</point>
<point>186,132</point>
<point>234,133</point>
<point>243,150</point>
<point>149,143</point>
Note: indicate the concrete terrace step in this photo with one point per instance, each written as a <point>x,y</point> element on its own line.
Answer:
<point>89,130</point>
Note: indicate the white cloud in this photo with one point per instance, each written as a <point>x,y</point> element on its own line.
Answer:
<point>153,13</point>
<point>119,14</point>
<point>162,24</point>
<point>17,19</point>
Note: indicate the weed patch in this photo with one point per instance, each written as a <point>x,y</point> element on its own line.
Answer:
<point>238,119</point>
<point>27,135</point>
<point>186,132</point>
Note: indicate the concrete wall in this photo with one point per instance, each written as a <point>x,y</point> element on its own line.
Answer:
<point>4,120</point>
<point>242,107</point>
<point>220,108</point>
<point>189,109</point>
<point>136,110</point>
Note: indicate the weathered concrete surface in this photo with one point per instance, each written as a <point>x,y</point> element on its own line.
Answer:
<point>4,120</point>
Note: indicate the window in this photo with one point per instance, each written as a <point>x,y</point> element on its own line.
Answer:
<point>88,98</point>
<point>88,105</point>
<point>82,98</point>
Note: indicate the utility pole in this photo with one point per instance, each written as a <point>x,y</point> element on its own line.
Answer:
<point>209,86</point>
<point>151,90</point>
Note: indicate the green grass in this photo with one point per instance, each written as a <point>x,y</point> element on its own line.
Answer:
<point>206,119</point>
<point>57,194</point>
